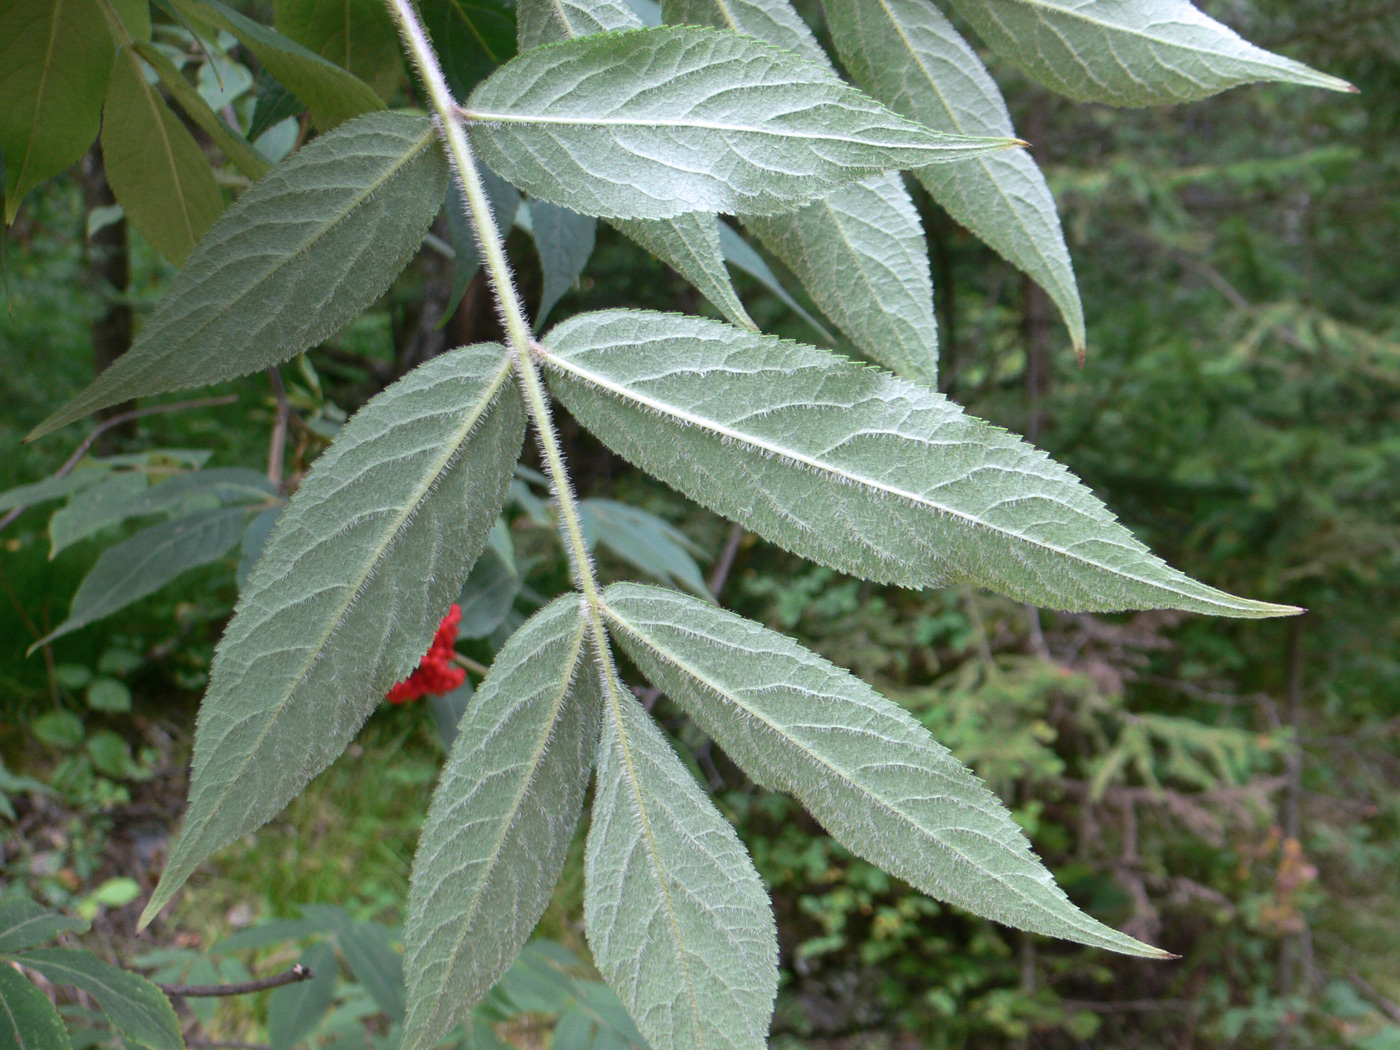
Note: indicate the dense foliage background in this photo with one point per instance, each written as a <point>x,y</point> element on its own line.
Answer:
<point>1227,790</point>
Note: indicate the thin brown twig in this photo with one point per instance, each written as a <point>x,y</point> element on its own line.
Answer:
<point>292,976</point>
<point>1387,1006</point>
<point>116,421</point>
<point>277,447</point>
<point>720,573</point>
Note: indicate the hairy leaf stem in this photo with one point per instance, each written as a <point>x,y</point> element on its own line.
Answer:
<point>508,305</point>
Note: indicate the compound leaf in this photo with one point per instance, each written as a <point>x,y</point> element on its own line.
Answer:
<point>135,1006</point>
<point>55,56</point>
<point>348,592</point>
<point>676,915</point>
<point>854,468</point>
<point>1129,52</point>
<point>868,772</point>
<point>298,257</point>
<point>907,55</point>
<point>502,818</point>
<point>156,169</point>
<point>654,123</point>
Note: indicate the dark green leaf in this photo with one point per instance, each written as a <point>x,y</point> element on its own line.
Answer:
<point>489,593</point>
<point>254,539</point>
<point>447,710</point>
<point>108,694</point>
<point>275,104</point>
<point>235,147</point>
<point>52,488</point>
<point>55,56</point>
<point>564,241</point>
<point>471,37</point>
<point>95,508</point>
<point>58,729</point>
<point>356,35</point>
<point>646,542</point>
<point>136,1007</point>
<point>28,1020</point>
<point>505,202</point>
<point>333,94</point>
<point>23,924</point>
<point>375,964</point>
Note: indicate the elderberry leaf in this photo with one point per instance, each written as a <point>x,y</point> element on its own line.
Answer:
<point>502,818</point>
<point>859,251</point>
<point>676,915</point>
<point>907,55</point>
<point>854,468</point>
<point>1129,52</point>
<point>28,1021</point>
<point>135,1006</point>
<point>654,123</point>
<point>298,257</point>
<point>349,592</point>
<point>689,243</point>
<point>55,56</point>
<point>871,775</point>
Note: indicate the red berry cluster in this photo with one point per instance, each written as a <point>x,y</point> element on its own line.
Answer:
<point>435,673</point>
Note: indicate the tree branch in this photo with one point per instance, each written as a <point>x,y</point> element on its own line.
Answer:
<point>292,976</point>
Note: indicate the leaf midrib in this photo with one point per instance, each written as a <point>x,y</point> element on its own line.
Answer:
<point>473,116</point>
<point>44,78</point>
<point>611,687</point>
<point>703,423</point>
<point>536,755</point>
<point>150,98</point>
<point>452,449</point>
<point>843,775</point>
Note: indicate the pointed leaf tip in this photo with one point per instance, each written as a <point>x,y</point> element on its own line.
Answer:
<point>866,770</point>
<point>854,468</point>
<point>381,535</point>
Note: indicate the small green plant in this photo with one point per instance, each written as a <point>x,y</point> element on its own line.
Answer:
<point>734,108</point>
